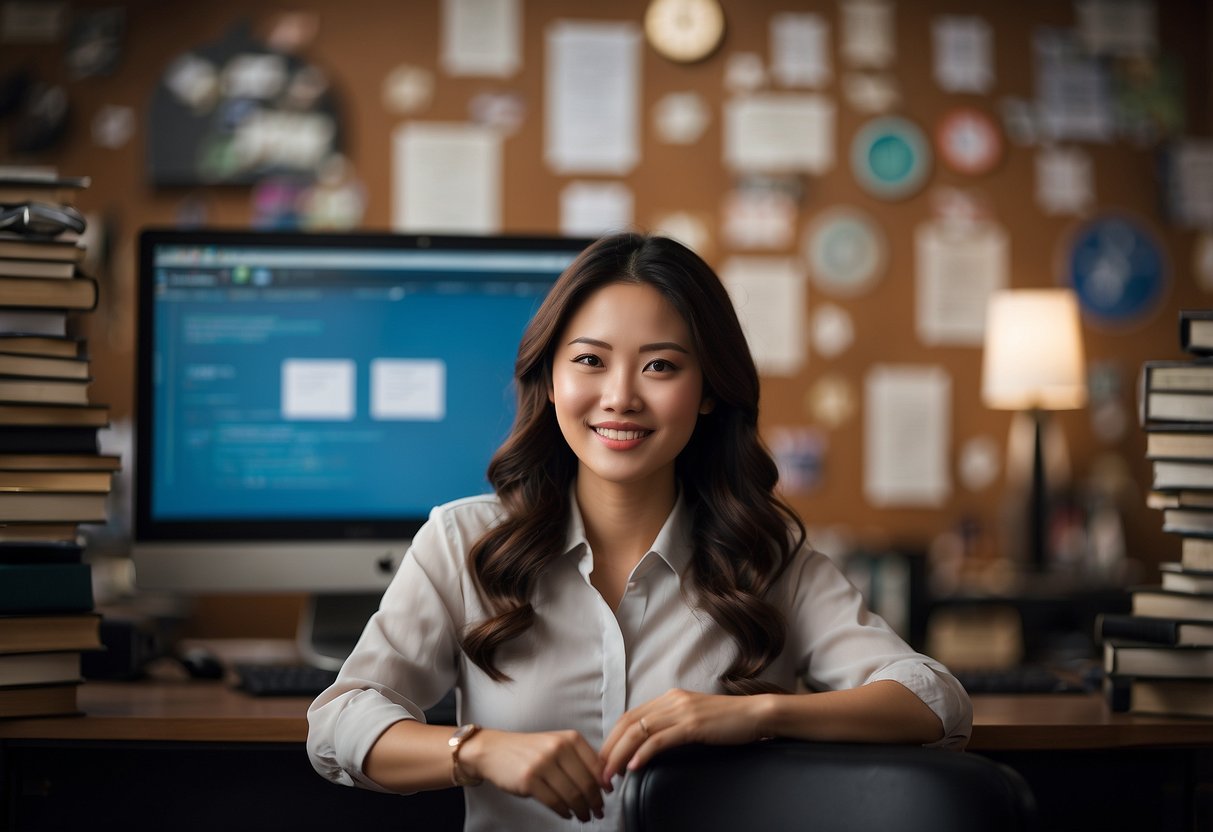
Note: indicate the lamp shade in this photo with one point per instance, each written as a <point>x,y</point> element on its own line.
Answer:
<point>1033,351</point>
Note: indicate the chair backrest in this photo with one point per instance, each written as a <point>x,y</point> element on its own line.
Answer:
<point>782,785</point>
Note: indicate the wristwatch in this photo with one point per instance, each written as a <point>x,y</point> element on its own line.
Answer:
<point>462,734</point>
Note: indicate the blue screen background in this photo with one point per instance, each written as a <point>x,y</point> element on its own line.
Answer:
<point>223,449</point>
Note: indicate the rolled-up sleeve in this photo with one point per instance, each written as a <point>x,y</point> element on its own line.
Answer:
<point>405,661</point>
<point>842,644</point>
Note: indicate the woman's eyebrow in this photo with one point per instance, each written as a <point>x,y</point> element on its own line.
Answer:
<point>655,347</point>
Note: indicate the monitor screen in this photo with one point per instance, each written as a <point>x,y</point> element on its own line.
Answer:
<point>305,399</point>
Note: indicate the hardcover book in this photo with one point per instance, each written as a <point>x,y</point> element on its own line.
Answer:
<point>1196,331</point>
<point>33,633</point>
<point>1128,659</point>
<point>45,587</point>
<point>39,700</point>
<point>77,293</point>
<point>1140,628</point>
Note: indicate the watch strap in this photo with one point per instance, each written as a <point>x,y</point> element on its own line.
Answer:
<point>462,734</point>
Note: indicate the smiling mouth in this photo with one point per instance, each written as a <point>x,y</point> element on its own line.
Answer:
<point>621,435</point>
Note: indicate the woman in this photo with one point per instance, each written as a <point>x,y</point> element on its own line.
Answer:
<point>632,584</point>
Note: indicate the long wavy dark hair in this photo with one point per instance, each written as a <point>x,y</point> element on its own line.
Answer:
<point>743,535</point>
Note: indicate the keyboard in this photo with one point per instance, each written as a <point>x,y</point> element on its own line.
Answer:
<point>305,680</point>
<point>1020,679</point>
<point>283,679</point>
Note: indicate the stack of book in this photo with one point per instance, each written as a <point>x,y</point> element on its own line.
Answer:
<point>52,476</point>
<point>1159,658</point>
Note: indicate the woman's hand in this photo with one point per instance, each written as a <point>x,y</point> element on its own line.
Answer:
<point>679,717</point>
<point>557,768</point>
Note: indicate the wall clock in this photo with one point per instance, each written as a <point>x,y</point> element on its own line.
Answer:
<point>684,30</point>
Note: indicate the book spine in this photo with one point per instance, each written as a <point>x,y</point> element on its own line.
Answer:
<point>1186,317</point>
<point>53,587</point>
<point>1136,628</point>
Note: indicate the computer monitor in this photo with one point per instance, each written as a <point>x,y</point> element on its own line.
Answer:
<point>305,399</point>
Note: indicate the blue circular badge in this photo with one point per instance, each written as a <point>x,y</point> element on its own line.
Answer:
<point>1118,270</point>
<point>890,157</point>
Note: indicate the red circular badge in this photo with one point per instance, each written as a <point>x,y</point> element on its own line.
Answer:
<point>969,141</point>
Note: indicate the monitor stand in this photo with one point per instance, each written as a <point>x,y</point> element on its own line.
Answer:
<point>330,626</point>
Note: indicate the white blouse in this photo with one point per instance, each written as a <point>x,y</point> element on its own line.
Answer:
<point>582,665</point>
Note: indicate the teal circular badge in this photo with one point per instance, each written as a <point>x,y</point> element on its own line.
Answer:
<point>890,157</point>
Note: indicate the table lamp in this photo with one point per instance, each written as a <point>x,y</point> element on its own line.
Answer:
<point>1033,362</point>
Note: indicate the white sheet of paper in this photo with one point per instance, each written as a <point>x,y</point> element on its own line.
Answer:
<point>779,133</point>
<point>1072,90</point>
<point>958,266</point>
<point>800,49</point>
<point>1064,180</point>
<point>964,49</point>
<point>589,209</point>
<point>770,296</point>
<point>867,33</point>
<point>592,97</point>
<point>758,218</point>
<point>482,37</point>
<point>446,177</point>
<point>1117,27</point>
<point>744,72</point>
<point>870,92</point>
<point>1190,189</point>
<point>907,429</point>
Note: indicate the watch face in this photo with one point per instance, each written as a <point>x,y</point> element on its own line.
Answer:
<point>684,30</point>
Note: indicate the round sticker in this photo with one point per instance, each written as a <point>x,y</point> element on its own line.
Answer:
<point>1118,270</point>
<point>969,141</point>
<point>890,157</point>
<point>846,250</point>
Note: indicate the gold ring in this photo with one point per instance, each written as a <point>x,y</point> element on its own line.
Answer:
<point>644,728</point>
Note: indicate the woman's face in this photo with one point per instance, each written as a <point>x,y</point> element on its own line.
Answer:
<point>627,386</point>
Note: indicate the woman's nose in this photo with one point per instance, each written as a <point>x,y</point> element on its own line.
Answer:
<point>619,393</point>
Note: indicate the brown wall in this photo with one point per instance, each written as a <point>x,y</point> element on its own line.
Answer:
<point>359,41</point>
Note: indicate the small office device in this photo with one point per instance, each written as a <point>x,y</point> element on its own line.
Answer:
<point>305,399</point>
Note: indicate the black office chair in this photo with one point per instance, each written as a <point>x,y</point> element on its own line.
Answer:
<point>781,785</point>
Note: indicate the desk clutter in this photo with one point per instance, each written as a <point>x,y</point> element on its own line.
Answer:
<point>52,476</point>
<point>1159,657</point>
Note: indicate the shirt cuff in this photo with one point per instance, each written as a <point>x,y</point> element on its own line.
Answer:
<point>940,692</point>
<point>359,727</point>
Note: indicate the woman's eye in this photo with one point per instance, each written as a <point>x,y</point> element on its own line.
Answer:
<point>660,365</point>
<point>588,360</point>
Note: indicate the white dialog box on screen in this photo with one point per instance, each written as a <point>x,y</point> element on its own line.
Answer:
<point>408,389</point>
<point>318,389</point>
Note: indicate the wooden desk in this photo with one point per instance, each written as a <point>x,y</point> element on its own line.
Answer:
<point>1088,767</point>
<point>215,712</point>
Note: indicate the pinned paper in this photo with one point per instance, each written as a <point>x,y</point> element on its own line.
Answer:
<point>481,37</point>
<point>446,177</point>
<point>1117,27</point>
<point>744,72</point>
<point>407,89</point>
<point>589,209</point>
<point>867,33</point>
<point>870,92</point>
<point>592,97</point>
<point>504,111</point>
<point>1189,183</point>
<point>1073,90</point>
<point>689,229</point>
<point>681,117</point>
<point>800,49</point>
<point>758,218</point>
<point>963,53</point>
<point>33,21</point>
<point>958,267</point>
<point>194,81</point>
<point>779,133</point>
<point>831,329</point>
<point>770,298</point>
<point>830,401</point>
<point>907,431</point>
<point>1064,181</point>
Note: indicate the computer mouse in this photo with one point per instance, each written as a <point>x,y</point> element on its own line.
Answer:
<point>201,663</point>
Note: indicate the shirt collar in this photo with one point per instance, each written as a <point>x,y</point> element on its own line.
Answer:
<point>673,543</point>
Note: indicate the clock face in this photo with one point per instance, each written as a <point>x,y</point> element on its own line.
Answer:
<point>684,30</point>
